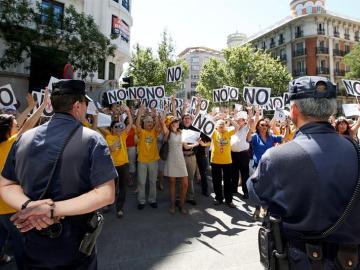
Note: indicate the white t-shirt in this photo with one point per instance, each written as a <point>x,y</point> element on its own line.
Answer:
<point>238,141</point>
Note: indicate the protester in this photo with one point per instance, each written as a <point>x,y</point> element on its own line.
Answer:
<point>343,127</point>
<point>56,204</point>
<point>175,166</point>
<point>117,144</point>
<point>148,156</point>
<point>221,168</point>
<point>131,150</point>
<point>308,183</point>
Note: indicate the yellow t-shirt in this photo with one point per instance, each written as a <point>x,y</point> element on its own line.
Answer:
<point>4,151</point>
<point>86,123</point>
<point>221,147</point>
<point>119,156</point>
<point>147,145</point>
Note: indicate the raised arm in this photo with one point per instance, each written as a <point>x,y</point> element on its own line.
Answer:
<point>138,118</point>
<point>126,109</point>
<point>236,126</point>
<point>23,115</point>
<point>173,104</point>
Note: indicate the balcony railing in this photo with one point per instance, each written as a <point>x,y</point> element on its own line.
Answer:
<point>322,50</point>
<point>299,52</point>
<point>281,41</point>
<point>339,72</point>
<point>299,72</point>
<point>321,31</point>
<point>272,44</point>
<point>336,34</point>
<point>347,36</point>
<point>322,70</point>
<point>299,34</point>
<point>338,52</point>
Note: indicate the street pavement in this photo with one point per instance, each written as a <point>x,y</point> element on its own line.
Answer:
<point>210,237</point>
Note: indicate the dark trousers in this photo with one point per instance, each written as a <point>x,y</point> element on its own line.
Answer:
<point>203,166</point>
<point>240,162</point>
<point>219,173</point>
<point>123,178</point>
<point>17,240</point>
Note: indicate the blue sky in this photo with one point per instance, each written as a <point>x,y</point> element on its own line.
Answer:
<point>208,22</point>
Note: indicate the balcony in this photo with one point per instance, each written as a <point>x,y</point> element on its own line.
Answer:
<point>347,36</point>
<point>321,32</point>
<point>299,72</point>
<point>299,34</point>
<point>322,50</point>
<point>336,34</point>
<point>338,52</point>
<point>339,72</point>
<point>281,41</point>
<point>272,44</point>
<point>299,52</point>
<point>322,70</point>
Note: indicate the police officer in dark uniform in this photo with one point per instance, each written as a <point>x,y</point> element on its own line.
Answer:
<point>56,211</point>
<point>309,182</point>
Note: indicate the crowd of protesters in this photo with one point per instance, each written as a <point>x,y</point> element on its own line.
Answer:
<point>136,136</point>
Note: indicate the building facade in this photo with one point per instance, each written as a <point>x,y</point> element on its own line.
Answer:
<point>196,57</point>
<point>111,17</point>
<point>236,39</point>
<point>312,41</point>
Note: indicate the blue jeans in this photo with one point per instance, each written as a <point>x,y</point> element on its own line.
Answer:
<point>16,238</point>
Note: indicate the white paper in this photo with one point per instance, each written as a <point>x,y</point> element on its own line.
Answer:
<point>238,107</point>
<point>216,110</point>
<point>351,110</point>
<point>104,120</point>
<point>91,109</point>
<point>242,115</point>
<point>52,80</point>
<point>279,115</point>
<point>190,136</point>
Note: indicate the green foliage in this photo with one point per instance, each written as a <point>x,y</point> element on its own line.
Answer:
<point>353,61</point>
<point>243,67</point>
<point>76,34</point>
<point>148,69</point>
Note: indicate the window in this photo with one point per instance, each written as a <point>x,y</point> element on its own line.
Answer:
<point>124,31</point>
<point>336,46</point>
<point>126,4</point>
<point>318,9</point>
<point>101,70</point>
<point>347,48</point>
<point>322,64</point>
<point>299,46</point>
<point>111,71</point>
<point>263,45</point>
<point>281,39</point>
<point>337,66</point>
<point>194,59</point>
<point>195,77</point>
<point>56,9</point>
<point>193,85</point>
<point>300,66</point>
<point>322,44</point>
<point>309,9</point>
<point>195,67</point>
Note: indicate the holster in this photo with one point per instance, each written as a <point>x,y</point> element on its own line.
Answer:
<point>95,224</point>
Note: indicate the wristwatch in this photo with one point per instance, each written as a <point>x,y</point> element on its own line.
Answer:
<point>25,204</point>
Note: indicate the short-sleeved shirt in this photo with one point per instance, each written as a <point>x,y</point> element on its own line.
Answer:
<point>4,151</point>
<point>147,145</point>
<point>120,155</point>
<point>130,140</point>
<point>221,147</point>
<point>259,146</point>
<point>85,164</point>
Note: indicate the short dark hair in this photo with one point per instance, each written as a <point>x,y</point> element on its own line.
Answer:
<point>64,103</point>
<point>6,122</point>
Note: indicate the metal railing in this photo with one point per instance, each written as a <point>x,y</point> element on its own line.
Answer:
<point>299,52</point>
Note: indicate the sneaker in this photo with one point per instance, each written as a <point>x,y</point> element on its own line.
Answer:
<point>141,206</point>
<point>154,205</point>
<point>120,214</point>
<point>192,202</point>
<point>231,205</point>
<point>5,259</point>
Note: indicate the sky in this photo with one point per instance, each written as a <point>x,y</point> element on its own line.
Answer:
<point>207,23</point>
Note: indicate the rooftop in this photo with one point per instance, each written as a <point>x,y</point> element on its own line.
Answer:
<point>198,50</point>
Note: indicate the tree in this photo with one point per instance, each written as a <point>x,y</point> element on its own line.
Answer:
<point>352,61</point>
<point>148,69</point>
<point>77,34</point>
<point>243,66</point>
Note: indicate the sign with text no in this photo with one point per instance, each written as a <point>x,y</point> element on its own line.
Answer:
<point>257,95</point>
<point>174,74</point>
<point>7,96</point>
<point>352,87</point>
<point>204,123</point>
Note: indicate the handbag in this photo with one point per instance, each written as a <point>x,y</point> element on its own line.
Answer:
<point>164,150</point>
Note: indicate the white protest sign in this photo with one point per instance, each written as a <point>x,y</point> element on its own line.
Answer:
<point>204,104</point>
<point>190,136</point>
<point>215,110</point>
<point>220,95</point>
<point>233,92</point>
<point>352,87</point>
<point>149,92</point>
<point>204,123</point>
<point>7,96</point>
<point>39,99</point>
<point>351,110</point>
<point>116,95</point>
<point>286,99</point>
<point>238,107</point>
<point>279,114</point>
<point>104,120</point>
<point>52,80</point>
<point>174,74</point>
<point>151,103</point>
<point>257,95</point>
<point>275,102</point>
<point>91,108</point>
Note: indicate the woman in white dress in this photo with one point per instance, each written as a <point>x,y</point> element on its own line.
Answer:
<point>175,166</point>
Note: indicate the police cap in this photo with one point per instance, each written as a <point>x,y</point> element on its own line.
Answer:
<point>311,87</point>
<point>70,87</point>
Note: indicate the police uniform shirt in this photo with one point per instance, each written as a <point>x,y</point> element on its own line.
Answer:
<point>309,181</point>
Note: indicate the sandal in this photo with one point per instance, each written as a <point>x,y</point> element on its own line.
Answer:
<point>183,210</point>
<point>172,209</point>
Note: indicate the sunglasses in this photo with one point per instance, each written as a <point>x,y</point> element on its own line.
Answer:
<point>264,125</point>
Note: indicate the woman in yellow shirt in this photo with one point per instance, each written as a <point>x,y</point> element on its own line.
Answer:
<point>221,162</point>
<point>117,144</point>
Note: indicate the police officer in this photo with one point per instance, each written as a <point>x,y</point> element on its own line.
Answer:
<point>83,182</point>
<point>309,181</point>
